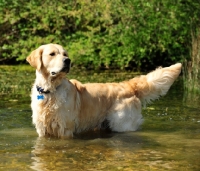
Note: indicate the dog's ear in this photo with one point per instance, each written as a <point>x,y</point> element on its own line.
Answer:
<point>35,58</point>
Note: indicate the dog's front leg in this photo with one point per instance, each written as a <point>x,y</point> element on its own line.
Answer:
<point>67,134</point>
<point>40,129</point>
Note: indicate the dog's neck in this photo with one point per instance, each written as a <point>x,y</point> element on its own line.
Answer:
<point>41,90</point>
<point>46,84</point>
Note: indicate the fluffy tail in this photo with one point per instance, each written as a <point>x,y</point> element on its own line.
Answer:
<point>157,83</point>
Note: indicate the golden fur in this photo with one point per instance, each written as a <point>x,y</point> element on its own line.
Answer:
<point>72,107</point>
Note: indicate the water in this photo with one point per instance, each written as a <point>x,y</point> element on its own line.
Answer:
<point>169,139</point>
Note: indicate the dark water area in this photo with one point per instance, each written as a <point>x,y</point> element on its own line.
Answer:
<point>169,138</point>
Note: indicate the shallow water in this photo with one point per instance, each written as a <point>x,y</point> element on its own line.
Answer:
<point>169,139</point>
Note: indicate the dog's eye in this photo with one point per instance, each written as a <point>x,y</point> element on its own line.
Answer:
<point>52,54</point>
<point>64,54</point>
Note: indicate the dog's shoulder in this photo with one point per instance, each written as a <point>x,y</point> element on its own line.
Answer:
<point>79,86</point>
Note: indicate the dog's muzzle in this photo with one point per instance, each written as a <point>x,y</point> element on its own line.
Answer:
<point>67,65</point>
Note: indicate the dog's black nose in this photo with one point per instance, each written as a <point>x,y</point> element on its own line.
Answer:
<point>66,61</point>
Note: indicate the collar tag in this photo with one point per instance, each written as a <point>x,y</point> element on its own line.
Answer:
<point>40,97</point>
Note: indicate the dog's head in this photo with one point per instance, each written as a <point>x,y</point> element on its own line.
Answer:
<point>50,59</point>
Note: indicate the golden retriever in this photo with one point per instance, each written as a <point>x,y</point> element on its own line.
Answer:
<point>63,107</point>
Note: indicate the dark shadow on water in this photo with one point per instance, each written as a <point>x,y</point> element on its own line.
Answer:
<point>90,135</point>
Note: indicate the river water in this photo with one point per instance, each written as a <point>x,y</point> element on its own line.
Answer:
<point>169,139</point>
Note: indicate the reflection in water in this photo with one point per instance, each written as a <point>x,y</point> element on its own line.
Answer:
<point>128,151</point>
<point>38,148</point>
<point>96,153</point>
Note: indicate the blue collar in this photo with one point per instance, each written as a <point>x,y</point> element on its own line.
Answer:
<point>41,90</point>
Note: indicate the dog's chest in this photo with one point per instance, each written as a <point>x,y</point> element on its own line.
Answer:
<point>51,104</point>
<point>50,107</point>
<point>51,111</point>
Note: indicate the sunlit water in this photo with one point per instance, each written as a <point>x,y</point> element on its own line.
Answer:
<point>169,139</point>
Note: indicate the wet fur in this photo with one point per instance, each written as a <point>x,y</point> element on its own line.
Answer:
<point>73,107</point>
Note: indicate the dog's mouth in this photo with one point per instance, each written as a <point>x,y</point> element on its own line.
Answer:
<point>64,69</point>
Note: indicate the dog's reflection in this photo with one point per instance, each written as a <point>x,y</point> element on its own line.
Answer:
<point>39,149</point>
<point>48,151</point>
<point>81,152</point>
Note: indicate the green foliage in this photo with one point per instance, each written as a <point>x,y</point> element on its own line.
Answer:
<point>106,33</point>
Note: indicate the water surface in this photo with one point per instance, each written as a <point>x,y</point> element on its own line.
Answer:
<point>169,139</point>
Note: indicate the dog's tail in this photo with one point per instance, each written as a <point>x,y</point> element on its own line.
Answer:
<point>156,83</point>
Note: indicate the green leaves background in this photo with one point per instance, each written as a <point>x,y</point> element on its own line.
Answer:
<point>101,33</point>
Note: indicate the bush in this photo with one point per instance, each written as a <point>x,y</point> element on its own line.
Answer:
<point>99,33</point>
